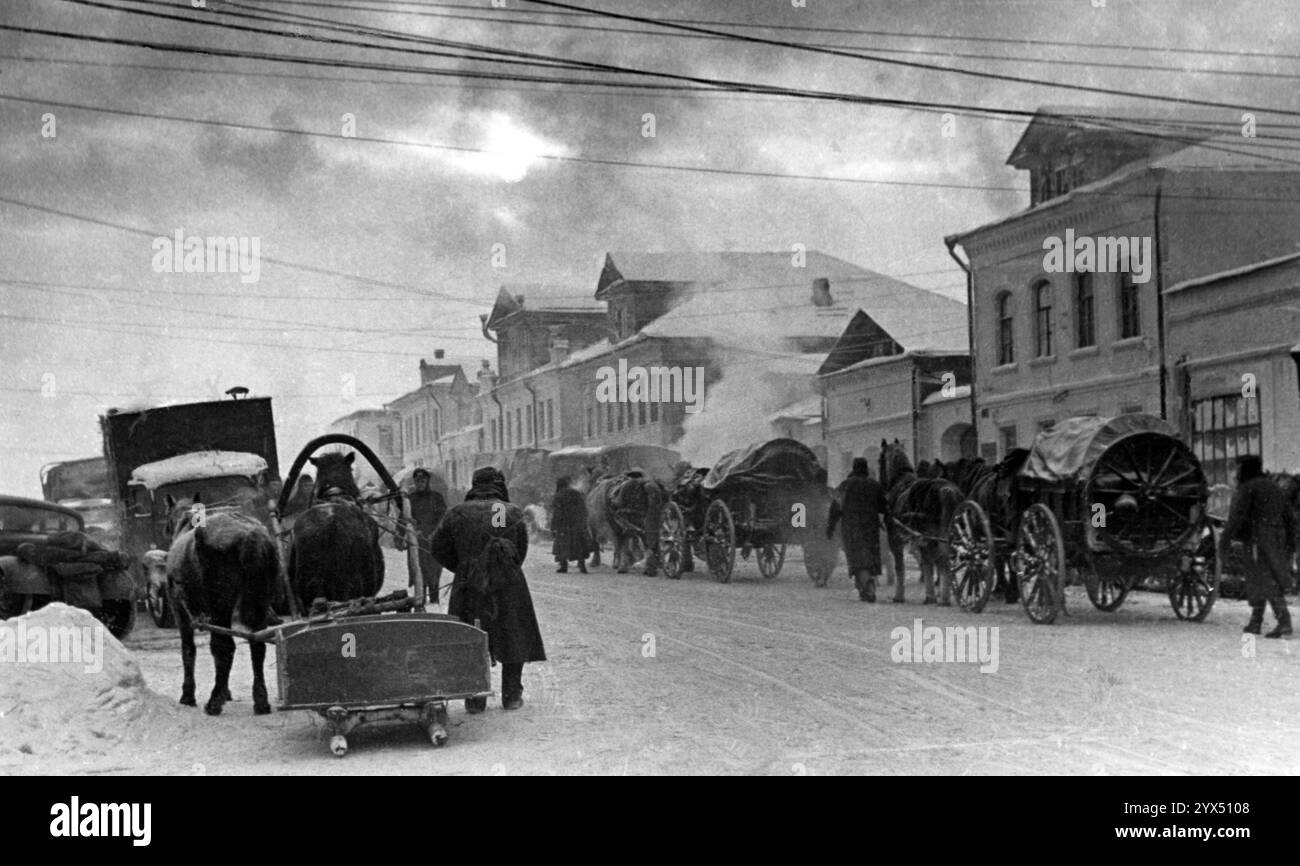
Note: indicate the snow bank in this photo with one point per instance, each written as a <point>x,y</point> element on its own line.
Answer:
<point>68,688</point>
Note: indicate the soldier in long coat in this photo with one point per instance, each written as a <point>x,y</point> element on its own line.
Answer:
<point>570,526</point>
<point>1260,516</point>
<point>860,504</point>
<point>484,541</point>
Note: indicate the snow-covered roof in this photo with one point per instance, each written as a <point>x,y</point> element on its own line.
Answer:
<point>961,392</point>
<point>914,317</point>
<point>808,408</point>
<point>198,464</point>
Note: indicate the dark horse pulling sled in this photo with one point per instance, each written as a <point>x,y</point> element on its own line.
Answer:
<point>362,660</point>
<point>758,499</point>
<point>1110,500</point>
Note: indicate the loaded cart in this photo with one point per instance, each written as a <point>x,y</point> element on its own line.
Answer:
<point>374,659</point>
<point>1109,502</point>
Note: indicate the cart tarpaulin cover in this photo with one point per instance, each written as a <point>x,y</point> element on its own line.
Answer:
<point>780,461</point>
<point>1066,453</point>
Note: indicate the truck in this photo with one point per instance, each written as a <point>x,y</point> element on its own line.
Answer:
<point>216,452</point>
<point>84,486</point>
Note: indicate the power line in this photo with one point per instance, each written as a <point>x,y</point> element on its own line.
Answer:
<point>495,18</point>
<point>988,76</point>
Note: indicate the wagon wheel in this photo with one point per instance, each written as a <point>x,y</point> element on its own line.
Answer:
<point>672,541</point>
<point>1151,491</point>
<point>720,541</point>
<point>1106,591</point>
<point>1039,563</point>
<point>770,559</point>
<point>1194,589</point>
<point>971,564</point>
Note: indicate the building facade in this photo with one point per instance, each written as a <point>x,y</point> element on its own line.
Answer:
<point>379,429</point>
<point>1080,334</point>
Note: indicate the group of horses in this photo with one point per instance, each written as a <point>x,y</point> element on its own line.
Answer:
<point>223,557</point>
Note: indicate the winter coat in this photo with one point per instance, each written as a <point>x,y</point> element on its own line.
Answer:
<point>569,525</point>
<point>484,541</point>
<point>859,503</point>
<point>1260,516</point>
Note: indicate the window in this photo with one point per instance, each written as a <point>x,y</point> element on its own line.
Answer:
<point>1006,330</point>
<point>609,417</point>
<point>509,432</point>
<point>1008,437</point>
<point>622,410</point>
<point>1043,318</point>
<point>550,419</point>
<point>519,427</point>
<point>1130,322</point>
<point>1085,327</point>
<point>1223,429</point>
<point>385,434</point>
<point>529,416</point>
<point>591,422</point>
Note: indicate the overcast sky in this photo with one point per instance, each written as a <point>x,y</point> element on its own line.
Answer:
<point>421,224</point>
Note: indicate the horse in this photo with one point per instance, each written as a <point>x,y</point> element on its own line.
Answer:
<point>920,510</point>
<point>220,558</point>
<point>629,510</point>
<point>334,548</point>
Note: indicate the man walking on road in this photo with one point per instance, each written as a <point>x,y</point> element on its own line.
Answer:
<point>861,504</point>
<point>427,509</point>
<point>484,541</point>
<point>1260,517</point>
<point>570,527</point>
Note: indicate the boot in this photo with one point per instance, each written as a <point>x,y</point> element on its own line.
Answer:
<point>869,590</point>
<point>1256,619</point>
<point>1283,615</point>
<point>563,569</point>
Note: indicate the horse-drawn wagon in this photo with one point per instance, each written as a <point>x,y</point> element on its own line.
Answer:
<point>757,499</point>
<point>1108,501</point>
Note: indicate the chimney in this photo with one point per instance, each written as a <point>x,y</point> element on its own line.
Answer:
<point>439,354</point>
<point>559,349</point>
<point>821,292</point>
<point>487,380</point>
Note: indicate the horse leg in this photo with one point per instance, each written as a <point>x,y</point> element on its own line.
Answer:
<point>261,706</point>
<point>223,657</point>
<point>927,575</point>
<point>187,655</point>
<point>942,562</point>
<point>622,554</point>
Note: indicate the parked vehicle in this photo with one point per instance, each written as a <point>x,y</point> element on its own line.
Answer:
<point>46,555</point>
<point>223,452</point>
<point>84,486</point>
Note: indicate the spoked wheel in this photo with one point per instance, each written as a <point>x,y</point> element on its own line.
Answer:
<point>1148,491</point>
<point>1106,591</point>
<point>770,559</point>
<point>720,541</point>
<point>1194,589</point>
<point>971,564</point>
<point>672,541</point>
<point>1039,563</point>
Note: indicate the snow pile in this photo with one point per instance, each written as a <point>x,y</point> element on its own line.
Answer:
<point>68,688</point>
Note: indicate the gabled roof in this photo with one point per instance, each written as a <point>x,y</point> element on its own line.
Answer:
<point>541,298</point>
<point>704,269</point>
<point>1054,123</point>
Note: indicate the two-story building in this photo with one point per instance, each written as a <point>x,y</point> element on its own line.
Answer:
<point>439,422</point>
<point>1067,311</point>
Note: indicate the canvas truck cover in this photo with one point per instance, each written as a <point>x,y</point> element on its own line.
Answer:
<point>133,439</point>
<point>1066,453</point>
<point>77,479</point>
<point>656,461</point>
<point>780,461</point>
